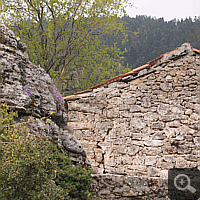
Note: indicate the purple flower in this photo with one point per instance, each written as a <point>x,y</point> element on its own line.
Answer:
<point>69,128</point>
<point>26,54</point>
<point>30,93</point>
<point>58,99</point>
<point>95,169</point>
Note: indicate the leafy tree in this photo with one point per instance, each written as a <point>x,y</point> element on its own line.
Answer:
<point>26,165</point>
<point>65,37</point>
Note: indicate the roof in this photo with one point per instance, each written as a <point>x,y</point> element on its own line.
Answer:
<point>186,47</point>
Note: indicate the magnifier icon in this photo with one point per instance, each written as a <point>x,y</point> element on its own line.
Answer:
<point>182,182</point>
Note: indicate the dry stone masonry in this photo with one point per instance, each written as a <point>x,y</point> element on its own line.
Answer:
<point>142,124</point>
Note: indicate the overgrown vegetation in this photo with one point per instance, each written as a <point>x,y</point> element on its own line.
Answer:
<point>74,180</point>
<point>65,38</point>
<point>33,168</point>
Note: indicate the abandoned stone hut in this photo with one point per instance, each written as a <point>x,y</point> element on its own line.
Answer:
<point>144,122</point>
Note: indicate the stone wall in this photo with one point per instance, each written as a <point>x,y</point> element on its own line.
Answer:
<point>145,123</point>
<point>107,186</point>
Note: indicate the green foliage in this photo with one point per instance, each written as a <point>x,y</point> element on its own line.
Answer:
<point>33,168</point>
<point>26,164</point>
<point>154,37</point>
<point>65,37</point>
<point>74,180</point>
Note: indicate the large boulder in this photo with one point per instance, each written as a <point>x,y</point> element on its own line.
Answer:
<point>30,91</point>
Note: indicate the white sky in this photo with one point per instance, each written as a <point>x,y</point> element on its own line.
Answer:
<point>168,9</point>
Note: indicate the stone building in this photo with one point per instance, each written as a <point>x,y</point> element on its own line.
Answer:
<point>140,124</point>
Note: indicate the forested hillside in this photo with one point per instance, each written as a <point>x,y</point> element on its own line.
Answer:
<point>155,37</point>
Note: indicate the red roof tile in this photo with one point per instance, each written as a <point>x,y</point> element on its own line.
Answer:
<point>107,82</point>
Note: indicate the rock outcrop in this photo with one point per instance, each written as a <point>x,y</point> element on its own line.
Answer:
<point>27,89</point>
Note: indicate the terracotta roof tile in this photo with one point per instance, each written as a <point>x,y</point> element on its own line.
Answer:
<point>107,82</point>
<point>196,50</point>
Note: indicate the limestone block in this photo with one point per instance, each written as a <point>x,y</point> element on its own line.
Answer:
<point>80,125</point>
<point>154,143</point>
<point>194,116</point>
<point>118,190</point>
<point>98,154</point>
<point>137,123</point>
<point>181,163</point>
<point>73,106</point>
<point>114,93</point>
<point>132,150</point>
<point>169,158</point>
<point>171,132</point>
<point>78,134</point>
<point>177,110</point>
<point>193,164</point>
<point>146,104</point>
<point>139,160</point>
<point>130,194</point>
<point>142,87</point>
<point>109,161</point>
<point>166,118</point>
<point>127,160</point>
<point>157,125</point>
<point>179,137</point>
<point>121,149</point>
<point>116,101</point>
<point>169,78</point>
<point>112,85</point>
<point>135,108</point>
<point>73,116</point>
<point>150,117</point>
<point>163,174</point>
<point>126,114</point>
<point>197,141</point>
<point>180,117</point>
<point>121,85</point>
<point>191,157</point>
<point>163,109</point>
<point>138,143</point>
<point>112,113</point>
<point>136,136</point>
<point>104,192</point>
<point>149,151</point>
<point>123,107</point>
<point>191,72</point>
<point>197,109</point>
<point>152,172</point>
<point>173,124</point>
<point>196,125</point>
<point>127,95</point>
<point>150,160</point>
<point>165,165</point>
<point>157,136</point>
<point>166,87</point>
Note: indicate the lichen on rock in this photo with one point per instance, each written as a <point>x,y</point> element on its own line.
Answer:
<point>29,90</point>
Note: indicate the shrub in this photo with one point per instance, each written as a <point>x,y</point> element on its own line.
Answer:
<point>26,164</point>
<point>33,168</point>
<point>75,180</point>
